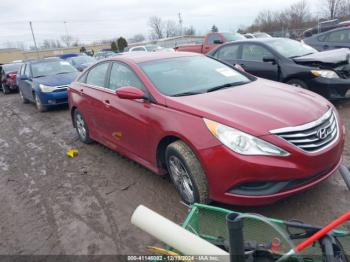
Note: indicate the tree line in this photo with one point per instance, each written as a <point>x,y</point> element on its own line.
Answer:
<point>299,16</point>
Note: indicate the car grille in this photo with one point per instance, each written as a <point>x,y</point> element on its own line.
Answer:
<point>313,136</point>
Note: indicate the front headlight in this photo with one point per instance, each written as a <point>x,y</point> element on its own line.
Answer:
<point>241,142</point>
<point>47,89</point>
<point>324,73</point>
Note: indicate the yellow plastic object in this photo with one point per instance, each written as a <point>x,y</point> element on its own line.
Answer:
<point>72,152</point>
<point>162,251</point>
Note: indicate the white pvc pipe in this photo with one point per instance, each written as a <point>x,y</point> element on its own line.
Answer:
<point>174,235</point>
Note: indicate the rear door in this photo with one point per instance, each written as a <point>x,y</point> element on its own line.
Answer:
<point>252,61</point>
<point>91,97</point>
<point>26,85</point>
<point>336,39</point>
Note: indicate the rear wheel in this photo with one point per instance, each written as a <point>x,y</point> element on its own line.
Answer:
<point>5,89</point>
<point>81,127</point>
<point>186,173</point>
<point>23,99</point>
<point>297,83</point>
<point>39,104</point>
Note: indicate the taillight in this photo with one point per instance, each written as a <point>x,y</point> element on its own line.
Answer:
<point>13,76</point>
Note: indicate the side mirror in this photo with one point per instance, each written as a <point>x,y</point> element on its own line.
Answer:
<point>269,58</point>
<point>130,92</point>
<point>239,67</point>
<point>23,77</point>
<point>218,42</point>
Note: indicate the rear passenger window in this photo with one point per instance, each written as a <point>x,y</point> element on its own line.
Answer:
<point>21,72</point>
<point>229,52</point>
<point>341,36</point>
<point>121,75</point>
<point>97,75</point>
<point>27,70</point>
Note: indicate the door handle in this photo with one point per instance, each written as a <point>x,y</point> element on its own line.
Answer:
<point>107,103</point>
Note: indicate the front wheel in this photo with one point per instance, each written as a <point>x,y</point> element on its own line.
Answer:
<point>186,173</point>
<point>39,104</point>
<point>297,83</point>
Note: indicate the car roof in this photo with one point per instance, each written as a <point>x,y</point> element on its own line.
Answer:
<point>65,56</point>
<point>43,60</point>
<point>255,40</point>
<point>140,57</point>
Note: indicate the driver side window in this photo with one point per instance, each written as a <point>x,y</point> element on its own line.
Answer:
<point>251,52</point>
<point>121,75</point>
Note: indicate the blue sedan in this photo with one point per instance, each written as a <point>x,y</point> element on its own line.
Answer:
<point>45,82</point>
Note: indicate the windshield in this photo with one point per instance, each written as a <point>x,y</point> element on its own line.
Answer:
<point>52,68</point>
<point>192,74</point>
<point>11,67</point>
<point>233,36</point>
<point>290,48</point>
<point>83,59</point>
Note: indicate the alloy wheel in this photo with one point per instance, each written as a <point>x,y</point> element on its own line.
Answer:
<point>38,103</point>
<point>181,178</point>
<point>80,124</point>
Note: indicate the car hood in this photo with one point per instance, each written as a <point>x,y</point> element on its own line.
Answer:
<point>56,80</point>
<point>336,56</point>
<point>255,108</point>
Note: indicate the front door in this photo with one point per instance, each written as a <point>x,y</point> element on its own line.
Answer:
<point>129,120</point>
<point>252,62</point>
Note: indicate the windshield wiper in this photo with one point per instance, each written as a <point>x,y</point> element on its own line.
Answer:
<point>189,93</point>
<point>300,55</point>
<point>226,86</point>
<point>63,73</point>
<point>39,76</point>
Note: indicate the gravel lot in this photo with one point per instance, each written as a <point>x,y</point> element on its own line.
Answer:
<point>51,204</point>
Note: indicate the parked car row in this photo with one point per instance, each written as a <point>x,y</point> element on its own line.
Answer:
<point>289,61</point>
<point>211,41</point>
<point>221,133</point>
<point>44,82</point>
<point>8,75</point>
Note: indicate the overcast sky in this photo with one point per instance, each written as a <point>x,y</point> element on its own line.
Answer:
<point>105,19</point>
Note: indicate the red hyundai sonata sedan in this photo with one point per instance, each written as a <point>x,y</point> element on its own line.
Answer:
<point>220,133</point>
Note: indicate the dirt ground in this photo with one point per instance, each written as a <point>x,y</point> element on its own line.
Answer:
<point>51,204</point>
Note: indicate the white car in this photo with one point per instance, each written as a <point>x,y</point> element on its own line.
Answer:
<point>148,48</point>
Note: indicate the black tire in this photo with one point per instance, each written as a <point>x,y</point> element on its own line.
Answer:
<point>193,178</point>
<point>80,124</point>
<point>297,83</point>
<point>345,173</point>
<point>5,89</point>
<point>38,104</point>
<point>23,99</point>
